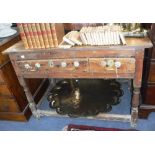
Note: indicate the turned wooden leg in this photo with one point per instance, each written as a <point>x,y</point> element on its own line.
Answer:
<point>136,86</point>
<point>134,107</point>
<point>29,96</point>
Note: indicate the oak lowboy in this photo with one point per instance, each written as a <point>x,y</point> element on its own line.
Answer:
<point>83,62</point>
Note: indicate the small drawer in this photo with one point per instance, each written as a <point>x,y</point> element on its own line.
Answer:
<point>54,65</point>
<point>4,90</point>
<point>112,65</point>
<point>8,105</point>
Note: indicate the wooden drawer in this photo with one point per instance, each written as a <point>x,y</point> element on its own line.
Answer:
<point>108,65</point>
<point>54,65</point>
<point>4,90</point>
<point>8,105</point>
<point>151,77</point>
<point>1,78</point>
<point>149,96</point>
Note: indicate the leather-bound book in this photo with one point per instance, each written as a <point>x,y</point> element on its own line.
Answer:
<point>35,34</point>
<point>49,34</point>
<point>22,35</point>
<point>32,35</point>
<point>26,30</point>
<point>40,35</point>
<point>57,30</point>
<point>44,35</point>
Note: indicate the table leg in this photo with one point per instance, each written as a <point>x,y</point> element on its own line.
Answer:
<point>136,87</point>
<point>29,96</point>
<point>134,107</point>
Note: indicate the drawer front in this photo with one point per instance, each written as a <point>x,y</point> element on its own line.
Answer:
<point>8,105</point>
<point>1,78</point>
<point>4,90</point>
<point>149,96</point>
<point>54,65</point>
<point>151,77</point>
<point>112,65</point>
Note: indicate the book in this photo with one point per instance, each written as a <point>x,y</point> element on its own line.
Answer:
<point>49,34</point>
<point>40,35</point>
<point>83,37</point>
<point>63,44</point>
<point>23,36</point>
<point>102,35</point>
<point>75,37</point>
<point>31,35</point>
<point>67,39</point>
<point>44,35</point>
<point>122,38</point>
<point>57,30</point>
<point>26,30</point>
<point>35,34</point>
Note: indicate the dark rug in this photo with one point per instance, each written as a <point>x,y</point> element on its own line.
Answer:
<point>74,127</point>
<point>84,97</point>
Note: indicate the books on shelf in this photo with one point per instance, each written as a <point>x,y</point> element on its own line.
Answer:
<point>41,35</point>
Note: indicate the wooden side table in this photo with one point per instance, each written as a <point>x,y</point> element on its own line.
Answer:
<point>83,62</point>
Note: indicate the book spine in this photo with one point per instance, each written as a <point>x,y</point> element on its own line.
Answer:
<point>40,35</point>
<point>23,36</point>
<point>44,34</point>
<point>36,37</point>
<point>53,30</point>
<point>25,27</point>
<point>49,34</point>
<point>31,35</point>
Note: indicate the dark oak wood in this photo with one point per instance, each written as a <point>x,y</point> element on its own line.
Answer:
<point>148,84</point>
<point>13,102</point>
<point>47,63</point>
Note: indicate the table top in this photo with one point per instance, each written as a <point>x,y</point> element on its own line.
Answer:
<point>132,44</point>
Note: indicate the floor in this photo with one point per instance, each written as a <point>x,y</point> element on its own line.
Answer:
<point>58,123</point>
